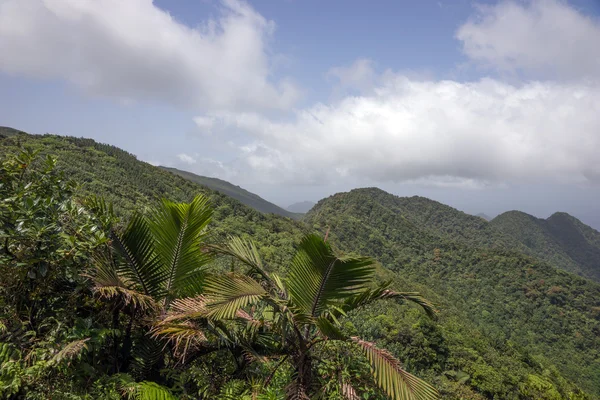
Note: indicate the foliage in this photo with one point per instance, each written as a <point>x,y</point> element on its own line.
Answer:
<point>288,318</point>
<point>504,316</point>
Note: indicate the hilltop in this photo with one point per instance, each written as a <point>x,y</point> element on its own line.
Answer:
<point>561,239</point>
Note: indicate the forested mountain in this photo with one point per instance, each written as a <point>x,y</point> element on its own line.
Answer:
<point>562,240</point>
<point>546,319</point>
<point>236,192</point>
<point>131,184</point>
<point>484,216</point>
<point>509,325</point>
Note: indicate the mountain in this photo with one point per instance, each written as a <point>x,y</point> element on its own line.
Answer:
<point>301,207</point>
<point>562,240</point>
<point>510,326</point>
<point>545,318</point>
<point>236,192</point>
<point>131,184</point>
<point>484,216</point>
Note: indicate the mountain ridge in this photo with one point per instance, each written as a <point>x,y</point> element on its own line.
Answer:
<point>561,239</point>
<point>248,198</point>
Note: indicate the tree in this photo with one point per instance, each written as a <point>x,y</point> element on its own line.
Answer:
<point>287,318</point>
<point>156,259</point>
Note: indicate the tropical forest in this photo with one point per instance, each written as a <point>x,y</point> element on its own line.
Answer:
<point>121,280</point>
<point>299,200</point>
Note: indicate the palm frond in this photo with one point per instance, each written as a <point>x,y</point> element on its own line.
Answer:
<point>244,251</point>
<point>414,297</point>
<point>109,284</point>
<point>382,292</point>
<point>349,392</point>
<point>146,353</point>
<point>328,330</point>
<point>147,391</point>
<point>179,231</point>
<point>227,294</point>
<point>142,266</point>
<point>185,336</point>
<point>186,309</point>
<point>318,277</point>
<point>389,375</point>
<point>70,351</point>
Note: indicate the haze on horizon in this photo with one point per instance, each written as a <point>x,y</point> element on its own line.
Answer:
<point>485,106</point>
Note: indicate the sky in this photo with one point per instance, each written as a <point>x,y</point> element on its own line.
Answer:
<point>487,106</point>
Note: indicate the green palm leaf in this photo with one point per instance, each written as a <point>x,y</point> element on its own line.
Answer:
<point>179,231</point>
<point>382,293</point>
<point>147,391</point>
<point>389,375</point>
<point>142,265</point>
<point>244,251</point>
<point>110,285</point>
<point>318,277</point>
<point>226,294</point>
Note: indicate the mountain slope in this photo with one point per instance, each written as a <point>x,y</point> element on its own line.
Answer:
<point>236,192</point>
<point>561,239</point>
<point>131,184</point>
<point>301,207</point>
<point>516,301</point>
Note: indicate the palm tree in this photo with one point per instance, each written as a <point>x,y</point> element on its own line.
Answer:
<point>286,318</point>
<point>156,259</point>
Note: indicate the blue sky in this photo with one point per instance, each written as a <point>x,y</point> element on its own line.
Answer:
<point>484,105</point>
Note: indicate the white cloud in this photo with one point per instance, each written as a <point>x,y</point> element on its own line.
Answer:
<point>132,50</point>
<point>186,158</point>
<point>539,37</point>
<point>204,123</point>
<point>359,75</point>
<point>444,133</point>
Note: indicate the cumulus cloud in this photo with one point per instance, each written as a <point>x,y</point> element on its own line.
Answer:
<point>133,50</point>
<point>186,158</point>
<point>445,133</point>
<point>539,36</point>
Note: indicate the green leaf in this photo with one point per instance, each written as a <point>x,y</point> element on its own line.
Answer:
<point>226,294</point>
<point>389,375</point>
<point>318,278</point>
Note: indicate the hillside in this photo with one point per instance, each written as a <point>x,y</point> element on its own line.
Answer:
<point>236,192</point>
<point>510,326</point>
<point>518,304</point>
<point>561,239</point>
<point>132,184</point>
<point>301,207</point>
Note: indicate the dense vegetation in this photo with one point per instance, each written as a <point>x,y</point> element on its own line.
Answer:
<point>538,322</point>
<point>90,309</point>
<point>562,240</point>
<point>236,192</point>
<point>509,326</point>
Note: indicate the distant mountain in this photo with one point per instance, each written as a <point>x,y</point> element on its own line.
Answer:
<point>562,240</point>
<point>484,216</point>
<point>236,192</point>
<point>301,207</point>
